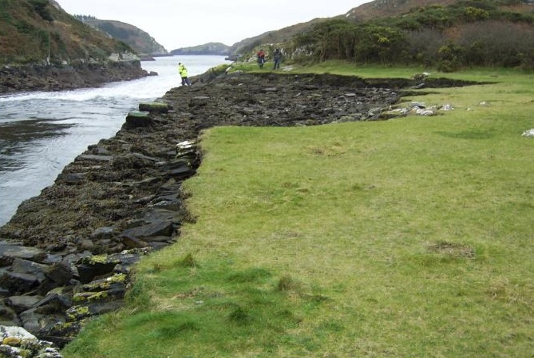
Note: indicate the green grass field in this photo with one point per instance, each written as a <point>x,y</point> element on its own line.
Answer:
<point>404,238</point>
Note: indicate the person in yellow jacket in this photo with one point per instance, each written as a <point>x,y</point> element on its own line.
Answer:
<point>183,73</point>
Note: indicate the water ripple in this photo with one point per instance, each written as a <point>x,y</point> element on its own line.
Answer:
<point>41,132</point>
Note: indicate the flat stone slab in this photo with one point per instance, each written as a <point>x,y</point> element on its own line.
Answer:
<point>9,251</point>
<point>96,158</point>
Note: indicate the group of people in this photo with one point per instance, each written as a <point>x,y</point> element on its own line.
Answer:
<point>277,58</point>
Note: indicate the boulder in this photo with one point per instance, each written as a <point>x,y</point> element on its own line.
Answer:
<point>61,273</point>
<point>133,242</point>
<point>162,228</point>
<point>37,320</point>
<point>136,119</point>
<point>19,283</point>
<point>29,267</point>
<point>14,337</point>
<point>132,161</point>
<point>8,316</point>
<point>9,251</point>
<point>178,169</point>
<point>155,107</point>
<point>76,313</point>
<point>103,233</point>
<point>94,266</point>
<point>22,303</point>
<point>56,300</point>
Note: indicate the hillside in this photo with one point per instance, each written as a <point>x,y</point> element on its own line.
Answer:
<point>44,48</point>
<point>364,12</point>
<point>447,35</point>
<point>387,8</point>
<point>390,8</point>
<point>211,48</point>
<point>385,30</point>
<point>41,31</point>
<point>137,39</point>
<point>275,36</point>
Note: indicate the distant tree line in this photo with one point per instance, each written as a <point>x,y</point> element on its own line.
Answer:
<point>83,18</point>
<point>467,33</point>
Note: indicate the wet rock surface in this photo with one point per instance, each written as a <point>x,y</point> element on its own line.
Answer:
<point>66,255</point>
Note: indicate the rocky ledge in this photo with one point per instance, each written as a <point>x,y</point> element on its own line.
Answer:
<point>66,254</point>
<point>64,77</point>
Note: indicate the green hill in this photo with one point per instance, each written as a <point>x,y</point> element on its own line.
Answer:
<point>447,34</point>
<point>211,48</point>
<point>136,38</point>
<point>390,8</point>
<point>44,48</point>
<point>39,31</point>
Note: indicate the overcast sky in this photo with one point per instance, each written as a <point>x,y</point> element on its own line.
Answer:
<point>184,23</point>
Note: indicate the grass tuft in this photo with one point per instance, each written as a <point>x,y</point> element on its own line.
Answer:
<point>174,330</point>
<point>251,276</point>
<point>187,261</point>
<point>240,316</point>
<point>288,284</point>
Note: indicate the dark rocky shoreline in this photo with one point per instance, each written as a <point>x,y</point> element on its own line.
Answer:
<point>36,77</point>
<point>66,254</point>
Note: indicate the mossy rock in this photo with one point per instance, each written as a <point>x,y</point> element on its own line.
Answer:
<point>76,313</point>
<point>138,114</point>
<point>66,330</point>
<point>99,259</point>
<point>90,296</point>
<point>155,107</point>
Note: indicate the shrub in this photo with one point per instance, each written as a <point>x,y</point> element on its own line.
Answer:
<point>40,7</point>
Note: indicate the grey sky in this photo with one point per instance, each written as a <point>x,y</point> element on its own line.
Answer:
<point>183,23</point>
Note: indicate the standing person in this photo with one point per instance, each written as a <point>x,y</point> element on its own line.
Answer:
<point>261,58</point>
<point>277,56</point>
<point>183,73</point>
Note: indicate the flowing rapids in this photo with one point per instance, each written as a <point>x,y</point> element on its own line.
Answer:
<point>41,132</point>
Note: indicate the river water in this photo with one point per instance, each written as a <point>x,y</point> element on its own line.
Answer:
<point>42,132</point>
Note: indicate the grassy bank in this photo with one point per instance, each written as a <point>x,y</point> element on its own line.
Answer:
<point>404,238</point>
